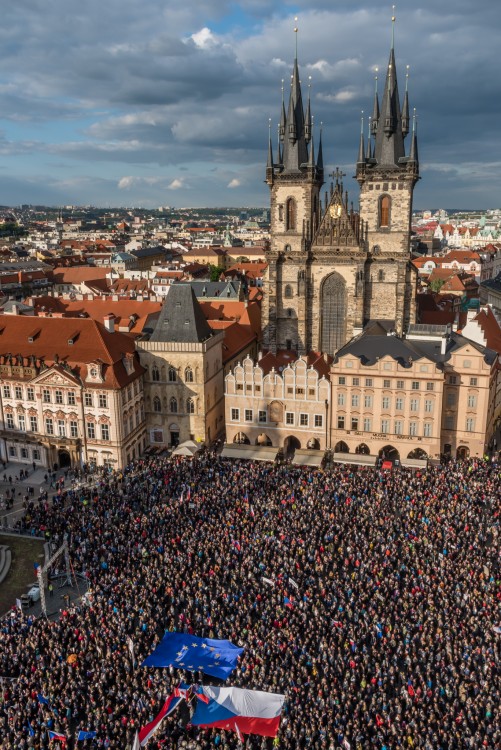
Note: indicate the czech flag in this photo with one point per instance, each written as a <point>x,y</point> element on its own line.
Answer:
<point>57,737</point>
<point>172,702</point>
<point>242,711</point>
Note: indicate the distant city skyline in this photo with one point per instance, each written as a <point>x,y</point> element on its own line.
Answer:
<point>121,104</point>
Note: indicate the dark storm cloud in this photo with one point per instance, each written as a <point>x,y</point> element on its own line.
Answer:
<point>165,86</point>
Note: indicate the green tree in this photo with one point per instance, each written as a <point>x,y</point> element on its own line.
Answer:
<point>436,285</point>
<point>215,272</point>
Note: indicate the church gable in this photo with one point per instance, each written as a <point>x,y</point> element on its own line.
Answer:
<point>338,227</point>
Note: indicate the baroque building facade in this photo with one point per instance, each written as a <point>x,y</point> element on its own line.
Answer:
<point>71,393</point>
<point>332,269</point>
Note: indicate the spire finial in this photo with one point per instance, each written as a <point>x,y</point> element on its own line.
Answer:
<point>407,68</point>
<point>362,122</point>
<point>393,19</point>
<point>295,32</point>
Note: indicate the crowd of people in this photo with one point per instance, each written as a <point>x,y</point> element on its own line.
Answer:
<point>369,598</point>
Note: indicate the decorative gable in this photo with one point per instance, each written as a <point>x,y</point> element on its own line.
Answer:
<point>95,372</point>
<point>56,375</point>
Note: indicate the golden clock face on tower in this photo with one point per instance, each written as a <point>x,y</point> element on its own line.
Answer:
<point>335,210</point>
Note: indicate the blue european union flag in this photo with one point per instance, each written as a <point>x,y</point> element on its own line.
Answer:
<point>84,735</point>
<point>42,699</point>
<point>215,657</point>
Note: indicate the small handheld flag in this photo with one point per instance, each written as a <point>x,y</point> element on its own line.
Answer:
<point>57,737</point>
<point>85,735</point>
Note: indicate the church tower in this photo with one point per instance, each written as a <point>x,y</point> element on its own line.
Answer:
<point>295,180</point>
<point>387,178</point>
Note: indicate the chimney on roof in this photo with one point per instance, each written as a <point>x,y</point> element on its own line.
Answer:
<point>109,323</point>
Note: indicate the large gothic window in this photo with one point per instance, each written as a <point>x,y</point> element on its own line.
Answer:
<point>291,214</point>
<point>333,314</point>
<point>384,211</point>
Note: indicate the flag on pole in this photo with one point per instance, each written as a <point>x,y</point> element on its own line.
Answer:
<point>31,730</point>
<point>19,604</point>
<point>42,699</point>
<point>57,737</point>
<point>239,733</point>
<point>172,702</point>
<point>84,734</point>
<point>136,745</point>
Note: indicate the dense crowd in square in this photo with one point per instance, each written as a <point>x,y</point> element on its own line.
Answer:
<point>369,598</point>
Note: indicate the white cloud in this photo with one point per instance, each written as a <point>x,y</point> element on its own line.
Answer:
<point>234,183</point>
<point>176,184</point>
<point>204,39</point>
<point>345,95</point>
<point>125,183</point>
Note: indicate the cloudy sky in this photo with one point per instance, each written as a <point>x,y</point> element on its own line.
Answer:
<point>150,103</point>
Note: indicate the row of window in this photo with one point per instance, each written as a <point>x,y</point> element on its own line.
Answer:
<point>172,375</point>
<point>400,384</point>
<point>57,395</point>
<point>24,453</point>
<point>57,427</point>
<point>290,417</point>
<point>365,425</point>
<point>368,402</point>
<point>129,423</point>
<point>51,426</point>
<point>173,405</point>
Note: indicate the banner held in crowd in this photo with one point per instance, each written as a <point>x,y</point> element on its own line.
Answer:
<point>217,658</point>
<point>242,711</point>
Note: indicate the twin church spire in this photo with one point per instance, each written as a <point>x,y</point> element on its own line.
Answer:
<point>296,150</point>
<point>389,125</point>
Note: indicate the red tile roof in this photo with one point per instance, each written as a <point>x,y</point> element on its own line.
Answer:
<point>91,343</point>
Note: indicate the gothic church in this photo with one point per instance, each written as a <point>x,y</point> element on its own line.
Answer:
<point>331,269</point>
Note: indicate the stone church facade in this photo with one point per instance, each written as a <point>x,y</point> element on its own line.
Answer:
<point>332,269</point>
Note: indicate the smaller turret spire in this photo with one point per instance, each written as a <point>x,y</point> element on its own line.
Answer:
<point>269,164</point>
<point>307,124</point>
<point>405,108</point>
<point>413,153</point>
<point>361,149</point>
<point>320,155</point>
<point>375,110</point>
<point>311,156</point>
<point>282,116</point>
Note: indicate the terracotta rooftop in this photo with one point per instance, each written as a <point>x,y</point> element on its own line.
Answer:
<point>48,339</point>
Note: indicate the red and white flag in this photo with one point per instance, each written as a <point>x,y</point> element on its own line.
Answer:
<point>172,702</point>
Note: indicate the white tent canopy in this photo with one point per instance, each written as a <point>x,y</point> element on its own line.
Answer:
<point>360,459</point>
<point>188,448</point>
<point>249,452</point>
<point>308,457</point>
